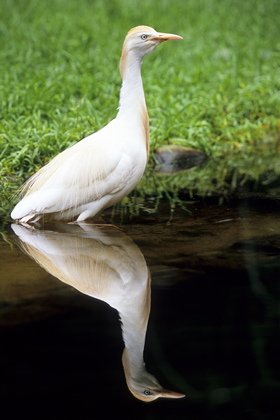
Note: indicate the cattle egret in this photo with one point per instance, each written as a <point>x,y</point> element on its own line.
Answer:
<point>104,167</point>
<point>107,265</point>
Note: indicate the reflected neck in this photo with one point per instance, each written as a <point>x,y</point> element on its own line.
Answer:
<point>134,318</point>
<point>134,329</point>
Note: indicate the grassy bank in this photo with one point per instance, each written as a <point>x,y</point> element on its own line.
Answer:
<point>218,90</point>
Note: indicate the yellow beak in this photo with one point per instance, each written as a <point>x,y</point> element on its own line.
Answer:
<point>161,37</point>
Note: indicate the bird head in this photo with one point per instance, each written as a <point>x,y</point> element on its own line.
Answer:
<point>143,385</point>
<point>142,40</point>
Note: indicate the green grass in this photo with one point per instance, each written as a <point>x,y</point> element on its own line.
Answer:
<point>218,90</point>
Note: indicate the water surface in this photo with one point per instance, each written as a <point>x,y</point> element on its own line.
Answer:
<point>205,320</point>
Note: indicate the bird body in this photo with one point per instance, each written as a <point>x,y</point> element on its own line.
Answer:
<point>104,167</point>
<point>99,182</point>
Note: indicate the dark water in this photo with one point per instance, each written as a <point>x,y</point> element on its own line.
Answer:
<point>213,318</point>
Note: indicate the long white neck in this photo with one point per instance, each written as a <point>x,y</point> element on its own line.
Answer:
<point>132,92</point>
<point>132,104</point>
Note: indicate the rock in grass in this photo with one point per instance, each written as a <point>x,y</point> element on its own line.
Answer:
<point>175,159</point>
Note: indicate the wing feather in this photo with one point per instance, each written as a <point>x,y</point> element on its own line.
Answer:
<point>79,175</point>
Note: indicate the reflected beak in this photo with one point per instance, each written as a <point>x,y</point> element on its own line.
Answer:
<point>165,393</point>
<point>161,37</point>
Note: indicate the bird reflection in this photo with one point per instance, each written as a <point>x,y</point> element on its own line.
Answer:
<point>104,263</point>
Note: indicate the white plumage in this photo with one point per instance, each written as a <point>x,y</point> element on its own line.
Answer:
<point>104,167</point>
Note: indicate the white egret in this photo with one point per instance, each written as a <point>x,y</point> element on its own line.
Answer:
<point>104,167</point>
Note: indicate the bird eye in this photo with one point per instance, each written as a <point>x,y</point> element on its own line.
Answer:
<point>144,37</point>
<point>147,392</point>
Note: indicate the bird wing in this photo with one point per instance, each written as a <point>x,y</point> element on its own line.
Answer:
<point>93,168</point>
